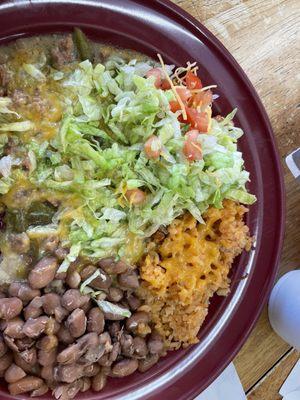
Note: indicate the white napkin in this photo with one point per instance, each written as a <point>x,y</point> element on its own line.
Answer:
<point>290,390</point>
<point>226,387</point>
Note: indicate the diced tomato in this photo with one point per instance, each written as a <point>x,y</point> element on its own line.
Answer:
<point>192,148</point>
<point>152,147</point>
<point>174,106</point>
<point>135,196</point>
<point>157,73</point>
<point>202,99</point>
<point>192,134</point>
<point>198,120</point>
<point>165,84</point>
<point>207,98</point>
<point>193,81</point>
<point>184,93</point>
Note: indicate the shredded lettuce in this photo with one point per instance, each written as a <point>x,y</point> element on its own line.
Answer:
<point>33,71</point>
<point>97,154</point>
<point>73,254</point>
<point>108,307</point>
<point>17,126</point>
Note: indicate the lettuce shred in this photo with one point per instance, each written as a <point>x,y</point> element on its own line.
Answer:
<point>97,154</point>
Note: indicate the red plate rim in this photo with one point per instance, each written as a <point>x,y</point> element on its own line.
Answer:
<point>186,378</point>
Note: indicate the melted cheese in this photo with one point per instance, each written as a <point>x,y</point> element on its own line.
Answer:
<point>182,272</point>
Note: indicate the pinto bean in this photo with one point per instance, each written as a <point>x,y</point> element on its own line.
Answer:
<point>101,282</point>
<point>129,280</point>
<point>69,355</point>
<point>114,329</point>
<point>113,355</point>
<point>76,323</point>
<point>14,328</point>
<point>11,343</point>
<point>47,343</point>
<point>40,391</point>
<point>140,347</point>
<point>124,367</point>
<point>110,266</point>
<point>55,286</point>
<point>105,340</point>
<point>10,307</point>
<point>5,362</point>
<point>52,306</point>
<point>68,373</point>
<point>3,346</point>
<point>136,319</point>
<point>87,272</point>
<point>95,321</point>
<point>91,370</point>
<point>52,327</point>
<point>61,253</point>
<point>89,340</point>
<point>43,273</point>
<point>92,355</point>
<point>47,357</point>
<point>50,243</point>
<point>34,327</point>
<point>25,343</point>
<point>50,302</point>
<point>67,391</point>
<point>73,279</point>
<point>86,384</point>
<point>87,307</point>
<point>29,356</point>
<point>115,294</point>
<point>14,374</point>
<point>104,360</point>
<point>73,299</point>
<point>148,362</point>
<point>47,373</point>
<point>25,385</point>
<point>60,276</point>
<point>99,381</point>
<point>20,362</point>
<point>34,308</point>
<point>64,335</point>
<point>133,302</point>
<point>23,291</point>
<point>155,343</point>
<point>126,342</point>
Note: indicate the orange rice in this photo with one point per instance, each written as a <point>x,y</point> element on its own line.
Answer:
<point>184,268</point>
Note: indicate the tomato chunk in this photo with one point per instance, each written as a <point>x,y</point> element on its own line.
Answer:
<point>174,106</point>
<point>184,93</point>
<point>135,196</point>
<point>152,147</point>
<point>197,120</point>
<point>157,73</point>
<point>192,148</point>
<point>202,99</point>
<point>165,84</point>
<point>193,81</point>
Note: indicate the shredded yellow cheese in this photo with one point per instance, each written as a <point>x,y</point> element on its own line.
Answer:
<point>173,87</point>
<point>204,89</point>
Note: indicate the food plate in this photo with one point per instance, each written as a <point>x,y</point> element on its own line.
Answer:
<point>160,26</point>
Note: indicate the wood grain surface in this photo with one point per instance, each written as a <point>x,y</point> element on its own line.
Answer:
<point>268,388</point>
<point>264,37</point>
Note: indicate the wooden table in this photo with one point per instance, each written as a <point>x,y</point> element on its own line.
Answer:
<point>261,35</point>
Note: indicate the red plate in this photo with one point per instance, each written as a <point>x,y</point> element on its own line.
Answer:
<point>160,26</point>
